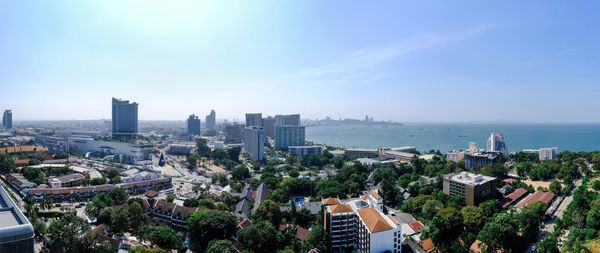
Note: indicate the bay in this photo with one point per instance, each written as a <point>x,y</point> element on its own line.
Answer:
<point>449,136</point>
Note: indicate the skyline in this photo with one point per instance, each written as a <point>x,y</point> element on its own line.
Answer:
<point>407,62</point>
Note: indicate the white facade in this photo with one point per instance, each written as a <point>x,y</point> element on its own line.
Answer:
<point>548,154</point>
<point>455,155</point>
<point>359,224</point>
<point>139,152</point>
<point>254,142</point>
<point>134,175</point>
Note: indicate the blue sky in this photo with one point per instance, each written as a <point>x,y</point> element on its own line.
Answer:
<point>446,61</point>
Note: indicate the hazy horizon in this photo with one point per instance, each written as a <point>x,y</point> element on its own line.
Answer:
<point>430,62</point>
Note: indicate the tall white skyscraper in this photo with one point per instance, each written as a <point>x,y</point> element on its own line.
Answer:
<point>254,142</point>
<point>496,143</point>
<point>548,154</point>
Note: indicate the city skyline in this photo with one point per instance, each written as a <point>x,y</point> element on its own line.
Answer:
<point>439,62</point>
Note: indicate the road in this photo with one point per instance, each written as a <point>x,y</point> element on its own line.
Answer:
<point>549,225</point>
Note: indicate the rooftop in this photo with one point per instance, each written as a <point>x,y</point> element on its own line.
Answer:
<point>331,201</point>
<point>469,178</point>
<point>544,197</point>
<point>511,198</point>
<point>341,208</point>
<point>374,221</point>
<point>13,224</point>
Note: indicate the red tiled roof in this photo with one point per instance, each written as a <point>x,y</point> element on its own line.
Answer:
<point>331,201</point>
<point>427,245</point>
<point>514,196</point>
<point>151,194</point>
<point>244,224</point>
<point>509,180</point>
<point>416,226</point>
<point>544,197</point>
<point>302,233</point>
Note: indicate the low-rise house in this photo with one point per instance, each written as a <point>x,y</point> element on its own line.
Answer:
<point>66,181</point>
<point>169,213</point>
<point>544,197</point>
<point>262,194</point>
<point>19,181</point>
<point>515,196</point>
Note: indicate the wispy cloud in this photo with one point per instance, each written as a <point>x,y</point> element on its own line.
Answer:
<point>375,55</point>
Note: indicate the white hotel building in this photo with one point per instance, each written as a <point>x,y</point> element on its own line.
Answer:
<point>359,224</point>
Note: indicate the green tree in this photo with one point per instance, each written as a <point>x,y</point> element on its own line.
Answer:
<point>207,225</point>
<point>66,232</point>
<point>163,237</point>
<point>268,210</point>
<point>495,170</point>
<point>142,249</point>
<point>430,208</point>
<point>500,233</point>
<point>191,202</point>
<point>240,173</point>
<point>202,147</point>
<point>7,164</point>
<point>389,191</point>
<point>548,245</point>
<point>260,237</point>
<point>118,195</point>
<point>170,197</point>
<point>137,215</point>
<point>555,187</point>
<point>473,218</point>
<point>490,207</point>
<point>234,154</point>
<point>220,246</point>
<point>119,219</point>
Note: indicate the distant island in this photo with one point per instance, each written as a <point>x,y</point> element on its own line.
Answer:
<point>333,122</point>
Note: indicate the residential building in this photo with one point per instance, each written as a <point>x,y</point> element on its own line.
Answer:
<point>254,120</point>
<point>472,187</point>
<point>66,181</point>
<point>242,209</point>
<point>544,197</point>
<point>193,125</point>
<point>254,142</point>
<point>305,150</point>
<point>472,148</point>
<point>87,192</point>
<point>55,144</point>
<point>19,181</point>
<point>287,120</point>
<point>16,232</point>
<point>496,144</point>
<point>262,194</point>
<point>514,197</point>
<point>359,224</point>
<point>269,126</point>
<point>169,213</point>
<point>124,117</point>
<point>211,120</point>
<point>7,119</point>
<point>233,133</point>
<point>289,135</point>
<point>546,154</point>
<point>455,155</point>
<point>480,160</point>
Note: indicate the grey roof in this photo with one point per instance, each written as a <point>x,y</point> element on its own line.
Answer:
<point>14,226</point>
<point>242,209</point>
<point>314,207</point>
<point>403,217</point>
<point>262,193</point>
<point>247,191</point>
<point>70,177</point>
